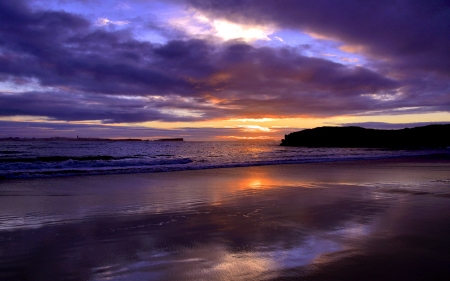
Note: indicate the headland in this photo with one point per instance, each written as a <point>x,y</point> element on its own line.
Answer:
<point>418,137</point>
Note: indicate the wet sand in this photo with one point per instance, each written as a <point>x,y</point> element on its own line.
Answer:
<point>361,220</point>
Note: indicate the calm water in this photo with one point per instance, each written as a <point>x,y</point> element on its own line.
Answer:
<point>48,159</point>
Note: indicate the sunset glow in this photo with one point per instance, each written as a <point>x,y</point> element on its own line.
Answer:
<point>217,71</point>
<point>227,31</point>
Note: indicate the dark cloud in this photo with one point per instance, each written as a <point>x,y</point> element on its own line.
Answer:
<point>280,82</point>
<point>408,33</point>
<point>76,107</point>
<point>86,72</point>
<point>62,49</point>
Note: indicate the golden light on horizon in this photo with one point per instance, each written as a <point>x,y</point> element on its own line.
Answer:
<point>246,138</point>
<point>252,119</point>
<point>246,128</point>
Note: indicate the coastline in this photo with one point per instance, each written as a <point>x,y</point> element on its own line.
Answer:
<point>265,222</point>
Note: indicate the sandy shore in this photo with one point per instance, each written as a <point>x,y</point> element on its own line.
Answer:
<point>361,220</point>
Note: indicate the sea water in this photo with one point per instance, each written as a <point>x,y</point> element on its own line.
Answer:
<point>24,159</point>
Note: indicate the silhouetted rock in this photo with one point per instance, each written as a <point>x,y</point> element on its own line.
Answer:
<point>426,136</point>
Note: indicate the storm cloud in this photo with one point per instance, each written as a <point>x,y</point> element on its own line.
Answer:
<point>67,68</point>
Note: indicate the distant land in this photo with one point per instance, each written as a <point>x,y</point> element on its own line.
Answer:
<point>81,139</point>
<point>170,139</point>
<point>64,139</point>
<point>426,136</point>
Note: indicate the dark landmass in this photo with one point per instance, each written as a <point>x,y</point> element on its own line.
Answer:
<point>170,139</point>
<point>426,136</point>
<point>64,139</point>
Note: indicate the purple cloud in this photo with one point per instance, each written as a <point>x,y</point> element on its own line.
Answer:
<point>86,72</point>
<point>409,33</point>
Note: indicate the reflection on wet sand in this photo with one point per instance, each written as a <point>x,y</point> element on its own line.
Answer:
<point>258,223</point>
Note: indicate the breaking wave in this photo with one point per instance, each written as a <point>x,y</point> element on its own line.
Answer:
<point>25,160</point>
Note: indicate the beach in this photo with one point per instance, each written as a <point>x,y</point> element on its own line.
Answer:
<point>384,219</point>
<point>224,140</point>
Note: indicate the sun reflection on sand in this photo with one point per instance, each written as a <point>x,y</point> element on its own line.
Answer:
<point>265,182</point>
<point>256,223</point>
<point>256,183</point>
<point>217,262</point>
<point>259,181</point>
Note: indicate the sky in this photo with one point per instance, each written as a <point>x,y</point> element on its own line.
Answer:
<point>220,70</point>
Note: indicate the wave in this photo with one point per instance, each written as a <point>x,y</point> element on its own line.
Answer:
<point>100,167</point>
<point>7,152</point>
<point>60,158</point>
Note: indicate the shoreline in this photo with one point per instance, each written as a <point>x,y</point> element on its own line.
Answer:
<point>207,185</point>
<point>150,170</point>
<point>317,221</point>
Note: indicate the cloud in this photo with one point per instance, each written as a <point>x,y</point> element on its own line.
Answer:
<point>89,73</point>
<point>197,25</point>
<point>413,34</point>
<point>66,106</point>
<point>105,21</point>
<point>122,6</point>
<point>279,39</point>
<point>71,130</point>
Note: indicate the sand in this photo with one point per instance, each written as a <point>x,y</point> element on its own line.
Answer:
<point>360,220</point>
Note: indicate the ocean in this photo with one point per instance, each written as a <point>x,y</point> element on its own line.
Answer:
<point>326,218</point>
<point>31,159</point>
